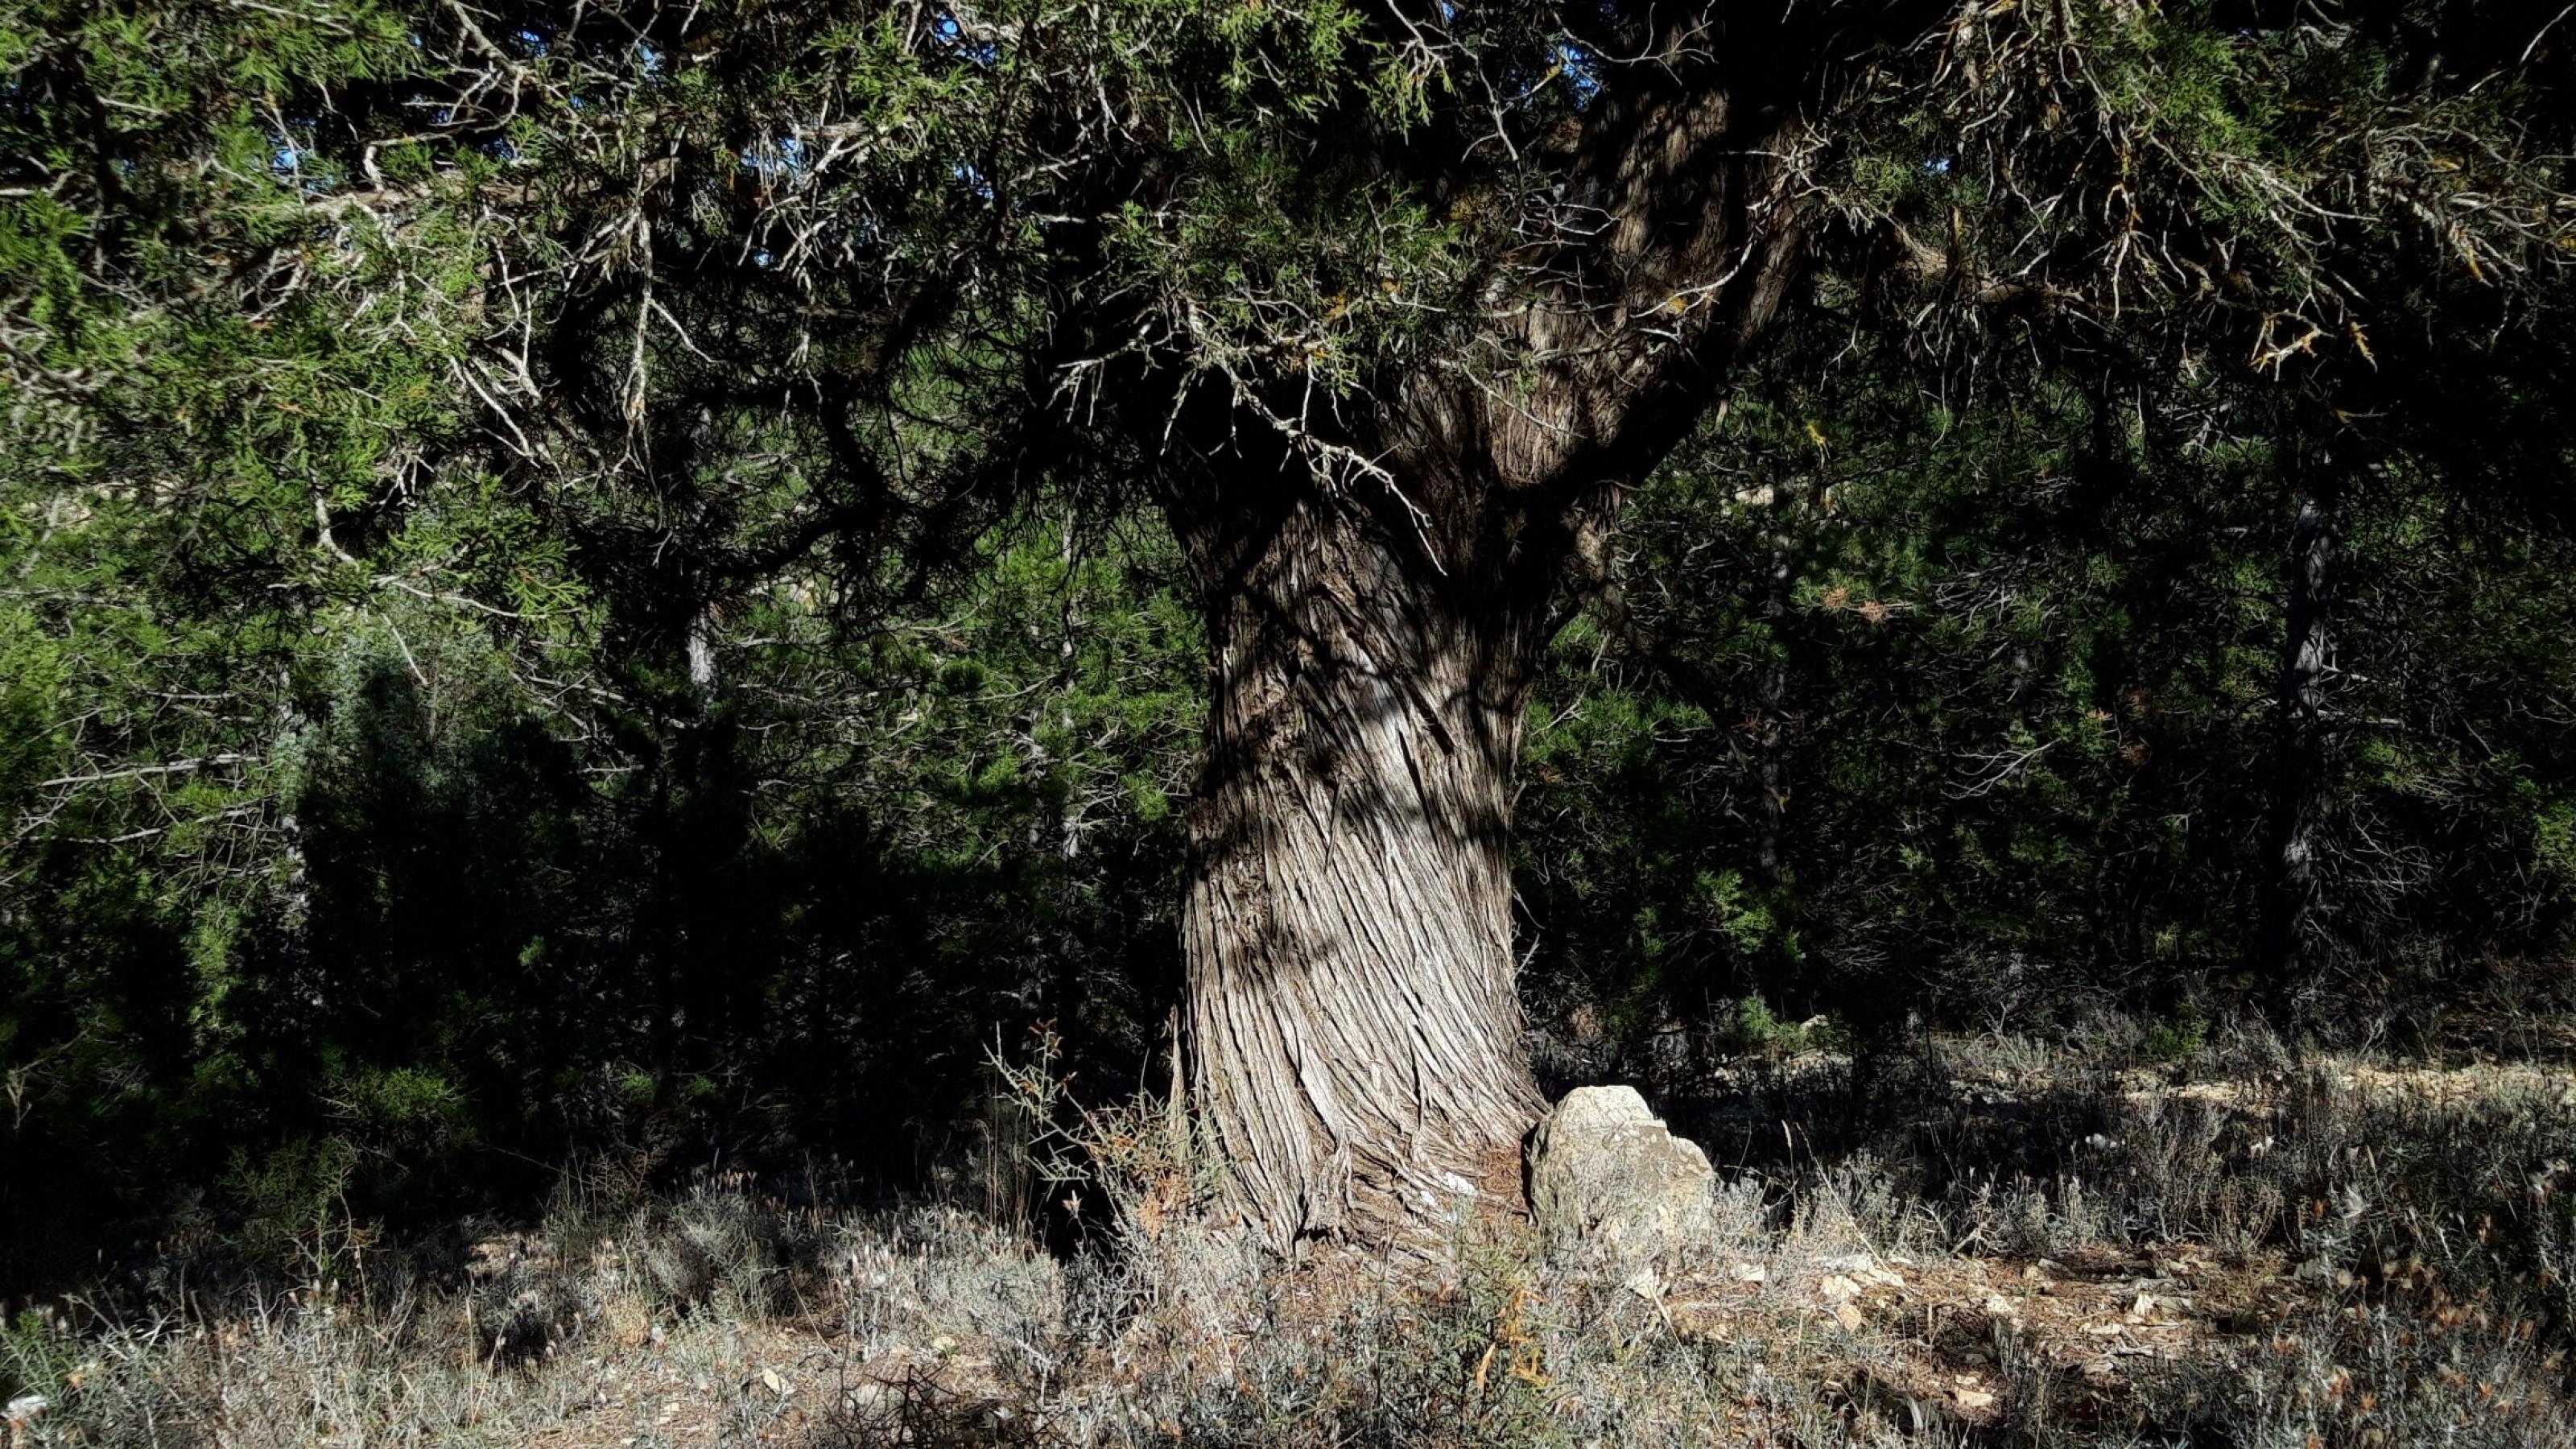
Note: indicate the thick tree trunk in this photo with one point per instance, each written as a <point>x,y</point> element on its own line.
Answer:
<point>1377,574</point>
<point>1356,1032</point>
<point>2298,786</point>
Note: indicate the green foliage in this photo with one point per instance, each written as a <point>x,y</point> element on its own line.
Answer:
<point>34,1354</point>
<point>1752,1030</point>
<point>2027,652</point>
<point>287,1198</point>
<point>585,580</point>
<point>2178,1040</point>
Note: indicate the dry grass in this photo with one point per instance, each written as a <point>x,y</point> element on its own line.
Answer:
<point>1988,1243</point>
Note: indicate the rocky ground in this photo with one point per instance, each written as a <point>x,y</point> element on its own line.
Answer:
<point>1984,1243</point>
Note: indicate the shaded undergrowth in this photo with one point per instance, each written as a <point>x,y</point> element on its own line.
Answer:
<point>1974,1243</point>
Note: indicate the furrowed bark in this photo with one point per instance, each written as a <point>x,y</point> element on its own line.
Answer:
<point>1348,923</point>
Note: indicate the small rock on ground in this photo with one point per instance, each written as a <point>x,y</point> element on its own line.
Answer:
<point>1607,1176</point>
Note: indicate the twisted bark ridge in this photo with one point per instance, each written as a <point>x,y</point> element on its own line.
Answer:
<point>1348,923</point>
<point>1376,627</point>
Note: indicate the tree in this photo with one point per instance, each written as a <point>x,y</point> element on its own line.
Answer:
<point>1379,602</point>
<point>2307,658</point>
<point>1385,307</point>
<point>1378,605</point>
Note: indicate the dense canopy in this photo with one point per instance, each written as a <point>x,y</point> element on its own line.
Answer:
<point>645,580</point>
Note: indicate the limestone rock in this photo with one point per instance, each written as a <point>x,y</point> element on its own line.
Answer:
<point>1607,1176</point>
